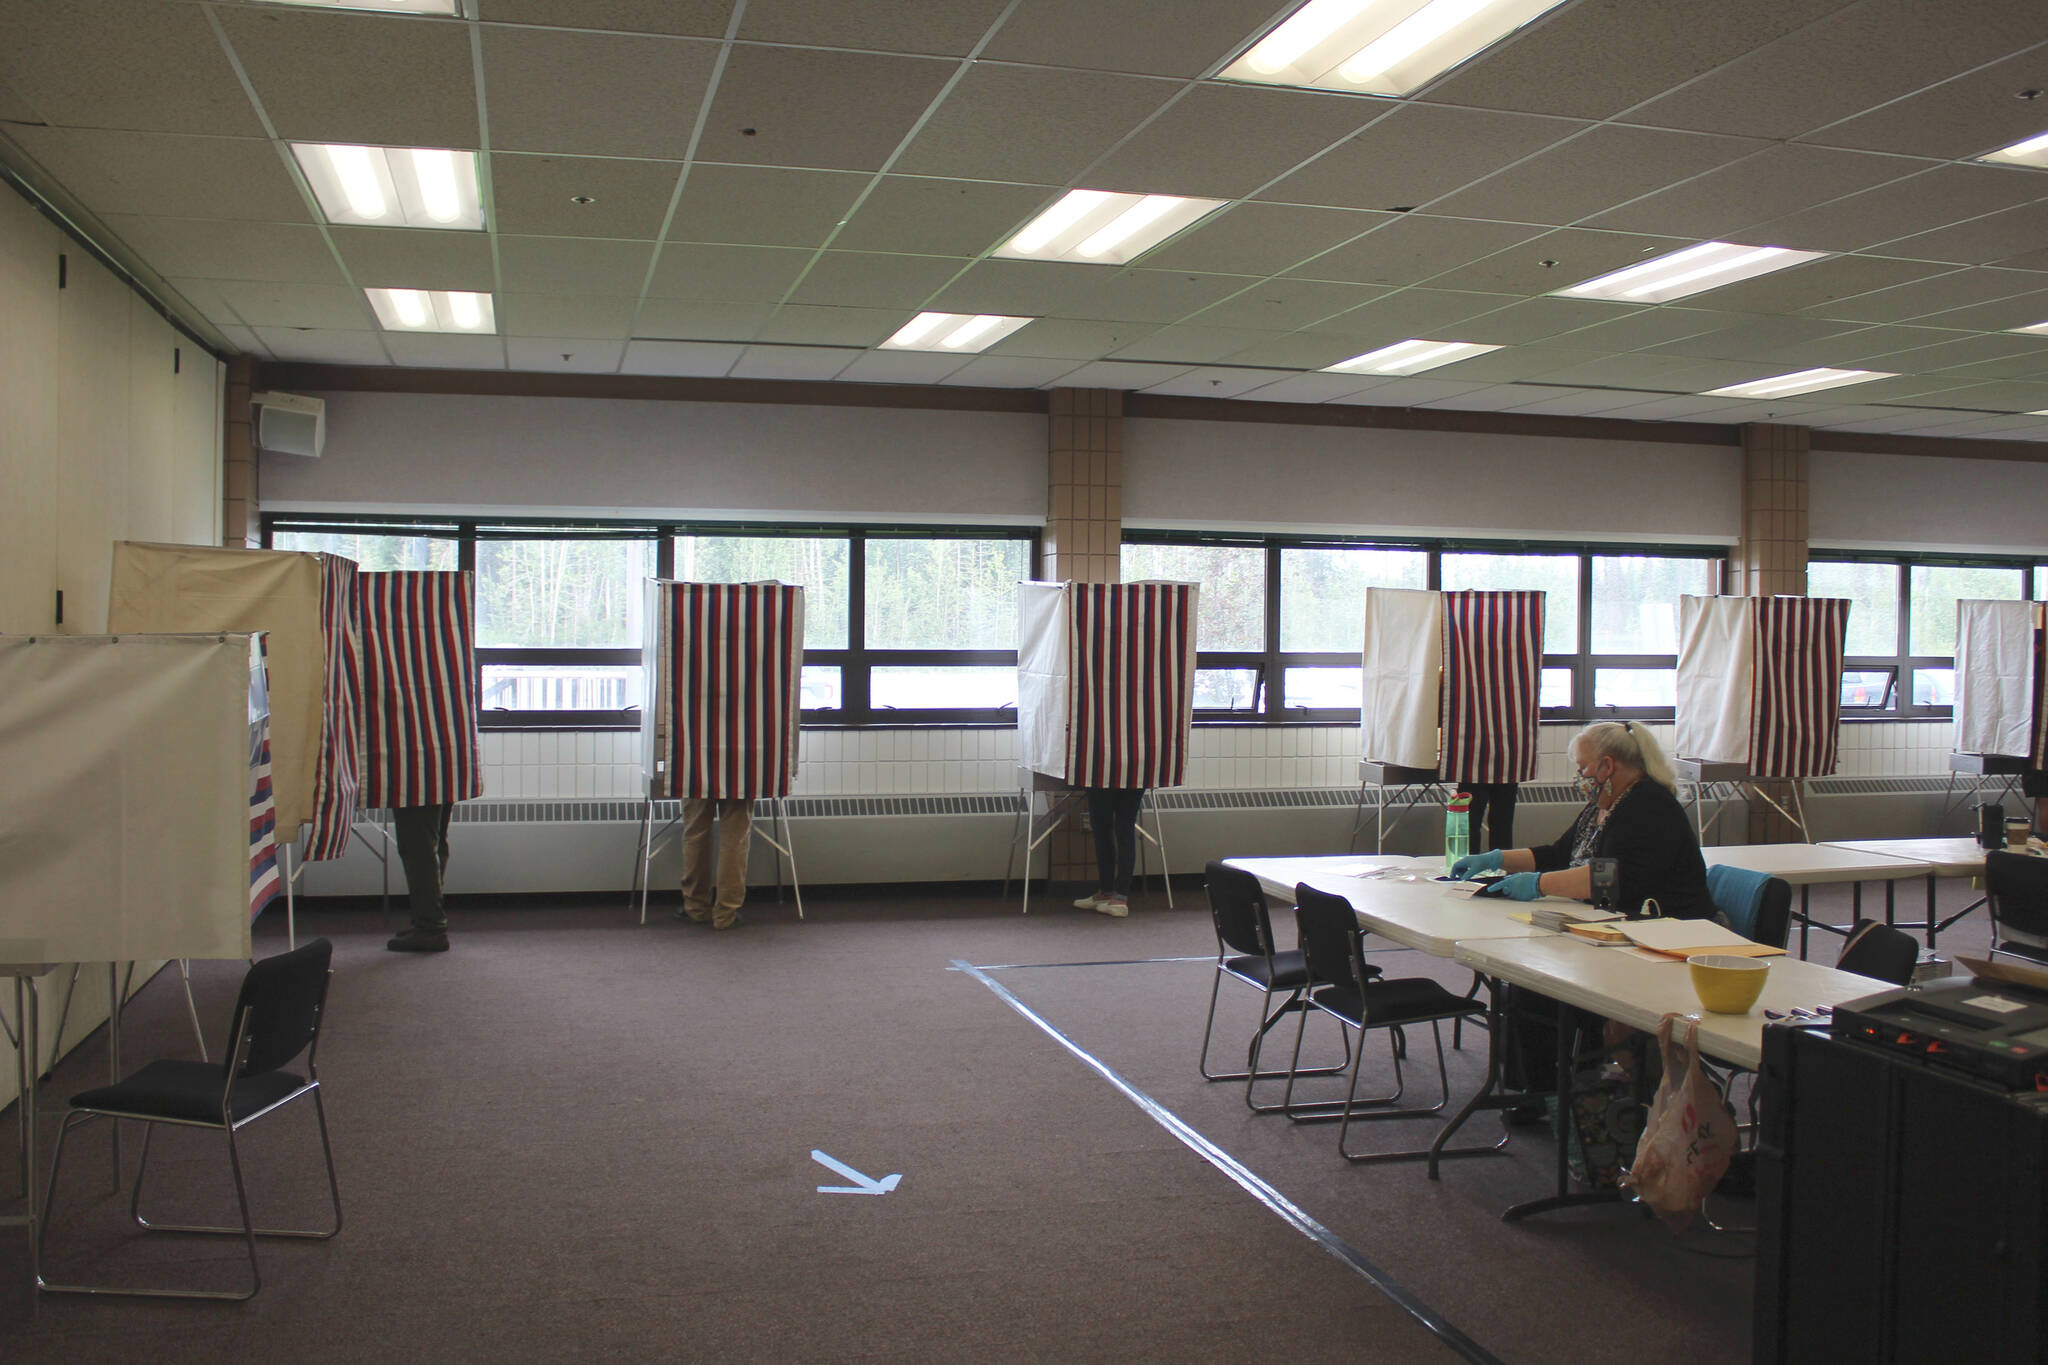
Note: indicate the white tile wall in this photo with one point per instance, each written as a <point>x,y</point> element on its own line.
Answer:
<point>839,762</point>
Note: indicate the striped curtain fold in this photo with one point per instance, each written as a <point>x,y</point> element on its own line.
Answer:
<point>732,688</point>
<point>2038,751</point>
<point>265,880</point>
<point>1133,667</point>
<point>1492,675</point>
<point>419,682</point>
<point>1797,685</point>
<point>335,777</point>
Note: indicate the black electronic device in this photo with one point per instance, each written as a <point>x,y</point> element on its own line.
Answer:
<point>1606,876</point>
<point>1991,825</point>
<point>1994,1030</point>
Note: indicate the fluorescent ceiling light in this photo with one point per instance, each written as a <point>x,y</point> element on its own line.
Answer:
<point>2032,152</point>
<point>961,333</point>
<point>1801,381</point>
<point>1694,270</point>
<point>433,310</point>
<point>383,6</point>
<point>424,187</point>
<point>1379,47</point>
<point>2032,329</point>
<point>1102,228</point>
<point>1409,357</point>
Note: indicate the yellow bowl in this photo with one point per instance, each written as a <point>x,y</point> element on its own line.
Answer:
<point>1727,985</point>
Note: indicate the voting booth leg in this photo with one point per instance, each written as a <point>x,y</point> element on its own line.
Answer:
<point>28,1048</point>
<point>291,914</point>
<point>778,819</point>
<point>652,841</point>
<point>1056,807</point>
<point>1157,838</point>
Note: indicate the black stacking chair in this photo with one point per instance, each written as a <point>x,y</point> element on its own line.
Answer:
<point>1756,906</point>
<point>1344,986</point>
<point>276,1021</point>
<point>2016,890</point>
<point>1878,950</point>
<point>1245,952</point>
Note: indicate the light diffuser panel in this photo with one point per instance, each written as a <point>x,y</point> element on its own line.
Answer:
<point>422,187</point>
<point>1100,227</point>
<point>1409,357</point>
<point>1800,381</point>
<point>2032,152</point>
<point>384,6</point>
<point>955,333</point>
<point>1379,47</point>
<point>1695,270</point>
<point>434,310</point>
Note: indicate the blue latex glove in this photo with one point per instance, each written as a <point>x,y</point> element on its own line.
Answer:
<point>1471,865</point>
<point>1520,886</point>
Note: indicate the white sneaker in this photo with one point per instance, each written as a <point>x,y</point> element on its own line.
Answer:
<point>1093,902</point>
<point>1116,907</point>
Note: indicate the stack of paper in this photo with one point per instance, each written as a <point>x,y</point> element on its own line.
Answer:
<point>1679,938</point>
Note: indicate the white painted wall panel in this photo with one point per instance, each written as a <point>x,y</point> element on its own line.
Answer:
<point>92,455</point>
<point>1918,502</point>
<point>152,425</point>
<point>28,416</point>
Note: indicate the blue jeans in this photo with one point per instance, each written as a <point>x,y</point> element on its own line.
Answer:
<point>1113,814</point>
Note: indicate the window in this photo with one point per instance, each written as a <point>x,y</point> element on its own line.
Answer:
<point>380,550</point>
<point>560,620</point>
<point>1555,576</point>
<point>939,625</point>
<point>1899,656</point>
<point>1632,638</point>
<point>1230,616</point>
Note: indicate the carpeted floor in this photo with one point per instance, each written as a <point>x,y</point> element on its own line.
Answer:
<point>576,1138</point>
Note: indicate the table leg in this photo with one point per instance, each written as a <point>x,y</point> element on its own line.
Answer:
<point>1933,919</point>
<point>1489,1092</point>
<point>1805,917</point>
<point>1565,1198</point>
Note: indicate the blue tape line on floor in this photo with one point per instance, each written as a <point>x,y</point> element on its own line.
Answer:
<point>1249,1180</point>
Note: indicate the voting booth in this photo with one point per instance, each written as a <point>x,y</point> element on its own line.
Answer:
<point>2001,705</point>
<point>419,682</point>
<point>1759,694</point>
<point>723,665</point>
<point>1105,696</point>
<point>1450,692</point>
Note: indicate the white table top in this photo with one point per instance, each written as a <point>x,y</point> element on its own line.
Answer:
<point>1809,864</point>
<point>1954,857</point>
<point>1424,914</point>
<point>1639,993</point>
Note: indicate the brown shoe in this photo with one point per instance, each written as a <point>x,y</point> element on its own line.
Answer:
<point>419,941</point>
<point>730,922</point>
<point>694,916</point>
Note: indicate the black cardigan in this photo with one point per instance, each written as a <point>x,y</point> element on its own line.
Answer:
<point>1652,843</point>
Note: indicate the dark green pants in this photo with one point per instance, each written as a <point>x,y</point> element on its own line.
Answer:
<point>423,852</point>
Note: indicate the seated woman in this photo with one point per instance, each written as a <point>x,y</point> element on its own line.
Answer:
<point>1638,823</point>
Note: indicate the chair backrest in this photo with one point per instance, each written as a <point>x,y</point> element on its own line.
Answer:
<point>1878,950</point>
<point>1238,905</point>
<point>2016,887</point>
<point>1330,944</point>
<point>1757,906</point>
<point>279,1009</point>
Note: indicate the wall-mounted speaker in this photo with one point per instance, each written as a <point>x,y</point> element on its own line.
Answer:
<point>290,424</point>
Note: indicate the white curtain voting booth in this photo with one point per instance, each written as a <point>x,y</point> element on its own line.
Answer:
<point>1106,682</point>
<point>2000,686</point>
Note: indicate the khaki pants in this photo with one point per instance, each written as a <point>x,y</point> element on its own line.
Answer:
<point>735,821</point>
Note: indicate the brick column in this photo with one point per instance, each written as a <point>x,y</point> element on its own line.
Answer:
<point>1083,533</point>
<point>240,521</point>
<point>1770,559</point>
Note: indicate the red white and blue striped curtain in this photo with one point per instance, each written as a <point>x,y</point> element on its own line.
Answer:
<point>335,779</point>
<point>419,685</point>
<point>265,880</point>
<point>2039,748</point>
<point>1133,683</point>
<point>1797,712</point>
<point>734,680</point>
<point>1492,678</point>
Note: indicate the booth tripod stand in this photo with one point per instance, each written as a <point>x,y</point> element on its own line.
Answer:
<point>1031,830</point>
<point>654,838</point>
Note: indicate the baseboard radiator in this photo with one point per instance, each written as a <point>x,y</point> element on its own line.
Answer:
<point>576,845</point>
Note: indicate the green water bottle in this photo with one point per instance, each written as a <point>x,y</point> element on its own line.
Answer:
<point>1457,829</point>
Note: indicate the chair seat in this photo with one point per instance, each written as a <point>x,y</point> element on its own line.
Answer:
<point>189,1092</point>
<point>1400,1001</point>
<point>2024,948</point>
<point>1289,970</point>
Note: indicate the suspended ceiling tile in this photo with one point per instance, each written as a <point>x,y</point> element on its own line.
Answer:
<point>1282,305</point>
<point>1010,372</point>
<point>1896,420</point>
<point>14,108</point>
<point>1310,388</point>
<point>100,64</point>
<point>1412,248</point>
<point>695,359</point>
<point>1676,408</point>
<point>246,342</point>
<point>695,320</point>
<point>1647,327</point>
<point>1556,260</point>
<point>168,175</point>
<point>1028,125</point>
<point>870,279</point>
<point>1596,170</point>
<point>1190,345</point>
<point>1413,313</point>
<point>282,252</point>
<point>1947,291</point>
<point>1858,58</point>
<point>564,355</point>
<point>1706,375</point>
<point>1023,289</point>
<point>1995,237</point>
<point>1595,60</point>
<point>756,206</point>
<point>2021,310</point>
<point>792,107</point>
<point>204,297</point>
<point>938,217</point>
<point>1135,295</point>
<point>1904,389</point>
<point>1646,372</point>
<point>1406,393</point>
<point>2029,368</point>
<point>1747,335</point>
<point>330,307</point>
<point>593,94</point>
<point>322,347</point>
<point>1120,374</point>
<point>434,351</point>
<point>1962,350</point>
<point>1261,239</point>
<point>1308,350</point>
<point>1271,131</point>
<point>732,274</point>
<point>1187,38</point>
<point>1860,345</point>
<point>408,258</point>
<point>1510,364</point>
<point>331,76</point>
<point>1965,117</point>
<point>944,27</point>
<point>566,315</point>
<point>1417,153</point>
<point>537,265</point>
<point>1578,402</point>
<point>535,196</point>
<point>684,18</point>
<point>1214,382</point>
<point>1067,339</point>
<point>902,367</point>
<point>1914,204</point>
<point>1776,181</point>
<point>798,324</point>
<point>1535,319</point>
<point>792,362</point>
<point>1491,398</point>
<point>1816,286</point>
